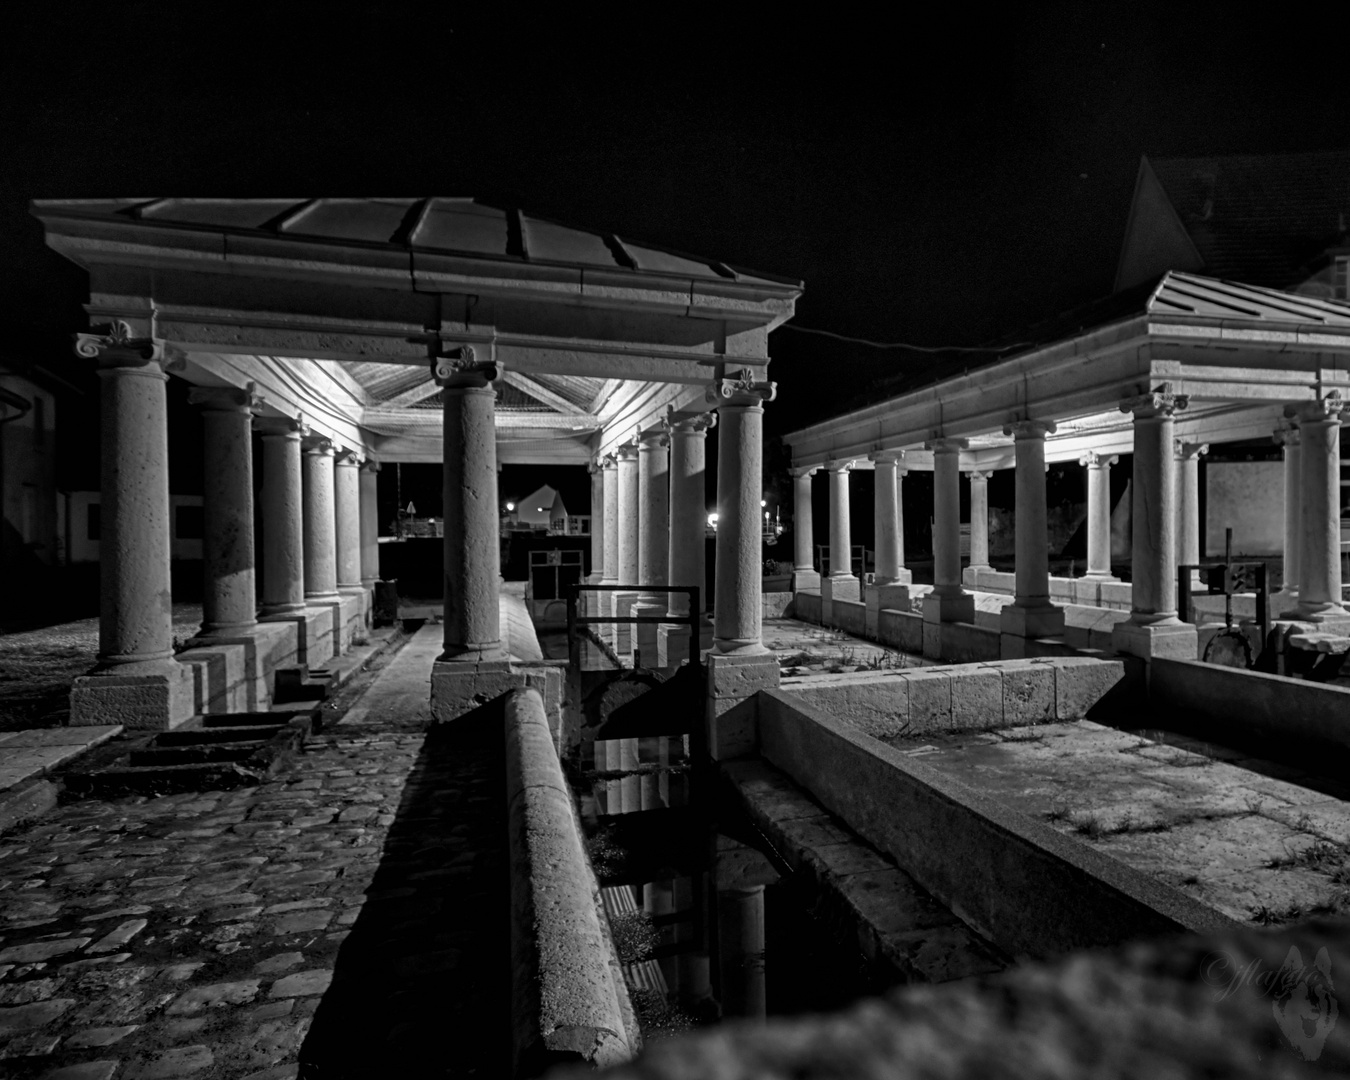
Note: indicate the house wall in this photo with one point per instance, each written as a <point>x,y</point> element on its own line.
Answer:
<point>1247,496</point>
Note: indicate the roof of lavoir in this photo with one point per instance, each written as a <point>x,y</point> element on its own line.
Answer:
<point>463,226</point>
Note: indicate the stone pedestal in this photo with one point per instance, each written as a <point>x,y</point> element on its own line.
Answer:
<point>1319,586</point>
<point>1099,514</point>
<point>653,539</point>
<point>1153,628</point>
<point>733,681</point>
<point>283,593</point>
<point>805,577</point>
<point>1031,614</point>
<point>136,682</point>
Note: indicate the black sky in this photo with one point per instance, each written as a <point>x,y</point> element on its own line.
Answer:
<point>935,179</point>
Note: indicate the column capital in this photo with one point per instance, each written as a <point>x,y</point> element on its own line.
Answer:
<point>113,346</point>
<point>839,465</point>
<point>1156,403</point>
<point>459,368</point>
<point>1323,408</point>
<point>1287,434</point>
<point>1029,429</point>
<point>944,445</point>
<point>626,452</point>
<point>804,470</point>
<point>980,475</point>
<point>316,444</point>
<point>1094,460</point>
<point>240,399</point>
<point>742,390</point>
<point>887,457</point>
<point>690,423</point>
<point>370,465</point>
<point>284,427</point>
<point>608,463</point>
<point>1186,451</point>
<point>346,456</point>
<point>653,439</point>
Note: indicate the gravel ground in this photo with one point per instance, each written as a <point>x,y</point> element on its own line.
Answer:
<point>38,666</point>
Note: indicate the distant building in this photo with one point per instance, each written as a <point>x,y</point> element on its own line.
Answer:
<point>544,509</point>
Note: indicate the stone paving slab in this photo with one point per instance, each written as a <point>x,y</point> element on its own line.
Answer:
<point>349,914</point>
<point>25,755</point>
<point>1262,843</point>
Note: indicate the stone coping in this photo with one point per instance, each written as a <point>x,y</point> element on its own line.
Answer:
<point>1030,890</point>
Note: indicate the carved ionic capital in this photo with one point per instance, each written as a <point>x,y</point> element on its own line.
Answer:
<point>1287,435</point>
<point>609,462</point>
<point>804,470</point>
<point>887,457</point>
<point>690,423</point>
<point>741,389</point>
<point>1094,460</point>
<point>980,476</point>
<point>840,465</point>
<point>1159,403</point>
<point>281,427</point>
<point>112,346</point>
<point>316,444</point>
<point>346,456</point>
<point>626,452</point>
<point>1023,430</point>
<point>942,445</point>
<point>370,465</point>
<point>458,368</point>
<point>1187,451</point>
<point>1322,409</point>
<point>226,398</point>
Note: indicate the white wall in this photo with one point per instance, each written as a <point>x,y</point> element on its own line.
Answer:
<point>1247,496</point>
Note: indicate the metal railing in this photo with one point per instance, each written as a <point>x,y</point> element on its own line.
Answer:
<point>574,620</point>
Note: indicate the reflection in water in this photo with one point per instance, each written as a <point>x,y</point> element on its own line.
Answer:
<point>692,890</point>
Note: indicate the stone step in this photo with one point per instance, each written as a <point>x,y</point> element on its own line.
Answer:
<point>254,733</point>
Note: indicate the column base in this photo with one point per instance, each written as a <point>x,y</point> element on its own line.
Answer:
<point>948,607</point>
<point>1172,640</point>
<point>624,638</point>
<point>672,644</point>
<point>805,581</point>
<point>971,574</point>
<point>460,686</point>
<point>733,681</point>
<point>1317,612</point>
<point>645,648</point>
<point>903,576</point>
<point>153,696</point>
<point>1037,622</point>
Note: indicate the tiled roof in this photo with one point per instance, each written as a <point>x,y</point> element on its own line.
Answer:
<point>1193,297</point>
<point>1260,219</point>
<point>435,225</point>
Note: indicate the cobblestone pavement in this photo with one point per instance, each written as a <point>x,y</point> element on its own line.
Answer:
<point>346,919</point>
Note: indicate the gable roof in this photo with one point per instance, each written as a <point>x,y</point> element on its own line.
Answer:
<point>1261,219</point>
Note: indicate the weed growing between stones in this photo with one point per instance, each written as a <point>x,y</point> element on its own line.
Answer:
<point>1324,856</point>
<point>1090,825</point>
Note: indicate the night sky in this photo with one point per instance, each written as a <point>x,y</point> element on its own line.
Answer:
<point>940,181</point>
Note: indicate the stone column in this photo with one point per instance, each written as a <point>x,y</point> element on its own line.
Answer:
<point>1030,615</point>
<point>1188,503</point>
<point>688,528</point>
<point>136,682</point>
<point>805,577</point>
<point>891,586</point>
<point>320,520</point>
<point>347,514</point>
<point>282,516</point>
<point>229,599</point>
<point>609,467</point>
<point>1287,435</point>
<point>840,583</point>
<point>653,537</point>
<point>979,526</point>
<point>739,665</point>
<point>949,601</point>
<point>740,940</point>
<point>597,524</point>
<point>628,525</point>
<point>1319,586</point>
<point>472,549</point>
<point>370,525</point>
<point>1099,514</point>
<point>1153,628</point>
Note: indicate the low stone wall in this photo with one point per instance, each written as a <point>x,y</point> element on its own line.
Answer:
<point>806,606</point>
<point>568,1001</point>
<point>902,629</point>
<point>965,643</point>
<point>850,616</point>
<point>777,605</point>
<point>964,697</point>
<point>1263,706</point>
<point>1027,888</point>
